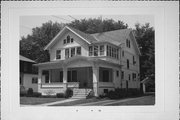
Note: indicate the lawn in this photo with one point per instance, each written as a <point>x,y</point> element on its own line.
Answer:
<point>37,100</point>
<point>81,101</point>
<point>148,100</point>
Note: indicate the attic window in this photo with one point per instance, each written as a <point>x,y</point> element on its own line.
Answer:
<point>64,41</point>
<point>72,40</point>
<point>68,39</point>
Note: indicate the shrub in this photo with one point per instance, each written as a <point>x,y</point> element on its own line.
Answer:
<point>36,94</point>
<point>30,91</point>
<point>68,93</point>
<point>112,94</point>
<point>23,91</point>
<point>60,95</point>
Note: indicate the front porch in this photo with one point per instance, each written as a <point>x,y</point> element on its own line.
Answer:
<point>56,77</point>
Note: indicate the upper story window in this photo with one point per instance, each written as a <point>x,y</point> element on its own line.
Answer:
<point>68,40</point>
<point>90,50</point>
<point>112,52</point>
<point>78,51</point>
<point>95,50</point>
<point>134,76</point>
<point>72,52</point>
<point>67,53</point>
<point>122,74</point>
<point>128,44</point>
<point>101,49</point>
<point>127,63</point>
<point>58,54</point>
<point>129,76</point>
<point>134,62</point>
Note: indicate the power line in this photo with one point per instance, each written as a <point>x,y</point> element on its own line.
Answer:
<point>72,17</point>
<point>60,18</point>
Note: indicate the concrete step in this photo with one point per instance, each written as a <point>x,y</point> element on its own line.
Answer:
<point>80,93</point>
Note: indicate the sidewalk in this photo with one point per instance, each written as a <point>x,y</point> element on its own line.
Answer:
<point>108,102</point>
<point>58,102</point>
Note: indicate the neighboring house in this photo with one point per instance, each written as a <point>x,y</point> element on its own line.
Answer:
<point>148,85</point>
<point>98,62</point>
<point>28,74</point>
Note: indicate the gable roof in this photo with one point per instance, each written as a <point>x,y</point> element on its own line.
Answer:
<point>22,58</point>
<point>114,37</point>
<point>86,37</point>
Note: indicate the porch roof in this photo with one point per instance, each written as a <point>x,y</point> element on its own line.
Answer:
<point>77,58</point>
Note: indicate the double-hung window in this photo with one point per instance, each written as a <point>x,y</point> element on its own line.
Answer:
<point>58,54</point>
<point>72,52</point>
<point>67,53</point>
<point>90,50</point>
<point>95,50</point>
<point>102,50</point>
<point>78,51</point>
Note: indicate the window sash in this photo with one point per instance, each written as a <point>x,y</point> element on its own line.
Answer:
<point>95,50</point>
<point>102,50</point>
<point>78,51</point>
<point>72,52</point>
<point>58,54</point>
<point>66,53</point>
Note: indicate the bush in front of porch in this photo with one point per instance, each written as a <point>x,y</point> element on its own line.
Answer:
<point>124,93</point>
<point>68,93</point>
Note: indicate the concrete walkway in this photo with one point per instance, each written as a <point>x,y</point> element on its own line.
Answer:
<point>58,102</point>
<point>108,102</point>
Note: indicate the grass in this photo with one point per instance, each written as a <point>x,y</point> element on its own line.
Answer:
<point>81,101</point>
<point>37,100</point>
<point>147,100</point>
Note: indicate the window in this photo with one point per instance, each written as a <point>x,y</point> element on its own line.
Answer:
<point>134,62</point>
<point>46,74</point>
<point>72,52</point>
<point>61,76</point>
<point>78,51</point>
<point>72,40</point>
<point>58,54</point>
<point>127,63</point>
<point>117,53</point>
<point>72,76</point>
<point>108,51</point>
<point>64,41</point>
<point>129,76</point>
<point>68,39</point>
<point>117,73</point>
<point>66,53</point>
<point>102,50</point>
<point>122,74</point>
<point>127,43</point>
<point>134,76</point>
<point>95,50</point>
<point>105,91</point>
<point>105,75</point>
<point>90,50</point>
<point>34,80</point>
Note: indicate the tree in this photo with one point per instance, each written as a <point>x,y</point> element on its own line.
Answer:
<point>145,38</point>
<point>33,45</point>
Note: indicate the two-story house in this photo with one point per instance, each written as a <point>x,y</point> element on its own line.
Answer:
<point>96,62</point>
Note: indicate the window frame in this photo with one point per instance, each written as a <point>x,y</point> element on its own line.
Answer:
<point>95,50</point>
<point>58,54</point>
<point>78,48</point>
<point>34,80</point>
<point>102,50</point>
<point>67,53</point>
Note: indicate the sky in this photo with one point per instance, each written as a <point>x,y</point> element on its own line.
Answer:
<point>29,22</point>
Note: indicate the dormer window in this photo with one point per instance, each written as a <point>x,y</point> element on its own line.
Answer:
<point>58,54</point>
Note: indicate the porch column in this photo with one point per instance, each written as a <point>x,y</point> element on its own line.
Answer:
<point>65,77</point>
<point>95,80</point>
<point>39,79</point>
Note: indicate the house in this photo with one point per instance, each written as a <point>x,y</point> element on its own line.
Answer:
<point>94,62</point>
<point>28,74</point>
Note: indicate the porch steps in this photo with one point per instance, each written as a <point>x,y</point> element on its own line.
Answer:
<point>80,93</point>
